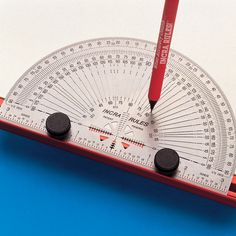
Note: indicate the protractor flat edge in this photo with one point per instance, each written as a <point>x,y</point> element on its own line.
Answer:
<point>102,84</point>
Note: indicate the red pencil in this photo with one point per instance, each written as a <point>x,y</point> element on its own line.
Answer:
<point>162,51</point>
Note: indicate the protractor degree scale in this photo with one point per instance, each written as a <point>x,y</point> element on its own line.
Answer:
<point>102,86</point>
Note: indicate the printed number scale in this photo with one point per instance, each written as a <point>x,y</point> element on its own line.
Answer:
<point>94,95</point>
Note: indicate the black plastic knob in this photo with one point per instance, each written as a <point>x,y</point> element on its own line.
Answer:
<point>58,125</point>
<point>166,161</point>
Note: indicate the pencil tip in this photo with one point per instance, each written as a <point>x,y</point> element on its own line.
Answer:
<point>152,104</point>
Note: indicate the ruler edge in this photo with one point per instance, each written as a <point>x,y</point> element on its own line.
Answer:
<point>229,199</point>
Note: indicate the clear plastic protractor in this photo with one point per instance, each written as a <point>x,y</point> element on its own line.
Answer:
<point>102,85</point>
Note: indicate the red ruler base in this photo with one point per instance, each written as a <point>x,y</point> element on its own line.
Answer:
<point>229,199</point>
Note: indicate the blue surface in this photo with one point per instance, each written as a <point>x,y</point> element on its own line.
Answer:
<point>47,191</point>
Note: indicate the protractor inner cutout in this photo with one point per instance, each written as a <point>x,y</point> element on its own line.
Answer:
<point>102,85</point>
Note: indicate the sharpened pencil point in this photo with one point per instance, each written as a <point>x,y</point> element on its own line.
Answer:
<point>152,104</point>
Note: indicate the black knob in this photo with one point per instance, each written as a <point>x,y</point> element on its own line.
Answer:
<point>166,161</point>
<point>58,125</point>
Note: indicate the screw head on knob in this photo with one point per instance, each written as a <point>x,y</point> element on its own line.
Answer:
<point>166,161</point>
<point>58,125</point>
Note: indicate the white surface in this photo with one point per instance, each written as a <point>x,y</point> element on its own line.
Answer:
<point>205,31</point>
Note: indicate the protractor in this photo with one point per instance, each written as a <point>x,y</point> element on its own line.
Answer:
<point>102,86</point>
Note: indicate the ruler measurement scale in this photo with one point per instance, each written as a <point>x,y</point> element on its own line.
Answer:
<point>102,86</point>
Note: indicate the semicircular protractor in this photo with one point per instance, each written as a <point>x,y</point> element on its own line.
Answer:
<point>102,86</point>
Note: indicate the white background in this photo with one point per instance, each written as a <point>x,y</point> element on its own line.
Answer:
<point>205,31</point>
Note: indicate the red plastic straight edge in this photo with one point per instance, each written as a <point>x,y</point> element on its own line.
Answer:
<point>162,50</point>
<point>229,199</point>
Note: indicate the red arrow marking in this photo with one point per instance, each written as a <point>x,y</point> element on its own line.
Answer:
<point>125,145</point>
<point>102,137</point>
